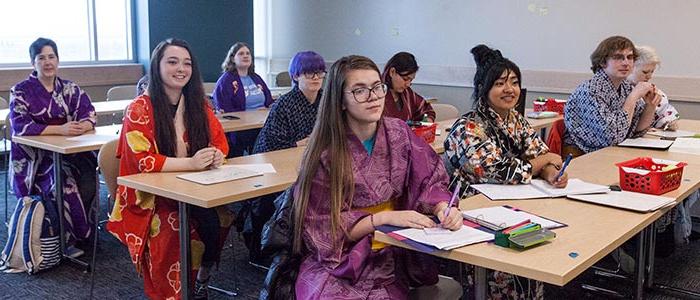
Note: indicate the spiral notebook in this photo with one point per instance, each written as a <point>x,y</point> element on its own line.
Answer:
<point>538,188</point>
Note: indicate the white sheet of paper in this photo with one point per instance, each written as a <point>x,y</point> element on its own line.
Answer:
<point>646,143</point>
<point>686,145</point>
<point>453,239</point>
<point>262,168</point>
<point>671,134</point>
<point>506,217</point>
<point>218,175</point>
<point>537,189</point>
<point>92,138</point>
<point>627,200</point>
<point>573,187</point>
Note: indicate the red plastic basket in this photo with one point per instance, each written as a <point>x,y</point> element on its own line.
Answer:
<point>426,132</point>
<point>550,104</point>
<point>645,175</point>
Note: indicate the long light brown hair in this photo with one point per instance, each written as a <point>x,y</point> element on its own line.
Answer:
<point>329,134</point>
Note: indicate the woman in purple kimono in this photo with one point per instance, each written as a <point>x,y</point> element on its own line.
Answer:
<point>361,171</point>
<point>240,88</point>
<point>45,104</point>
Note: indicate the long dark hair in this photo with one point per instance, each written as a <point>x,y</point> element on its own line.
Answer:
<point>196,123</point>
<point>329,134</point>
<point>403,62</point>
<point>490,64</point>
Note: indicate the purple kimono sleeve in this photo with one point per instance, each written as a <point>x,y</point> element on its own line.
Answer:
<point>345,261</point>
<point>224,93</point>
<point>427,180</point>
<point>22,121</point>
<point>80,104</point>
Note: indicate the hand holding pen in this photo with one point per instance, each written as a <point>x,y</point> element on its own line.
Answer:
<point>450,217</point>
<point>561,179</point>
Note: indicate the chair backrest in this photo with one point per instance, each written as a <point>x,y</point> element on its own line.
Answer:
<point>209,87</point>
<point>283,79</point>
<point>121,92</point>
<point>3,103</point>
<point>445,111</point>
<point>109,165</point>
<point>7,129</point>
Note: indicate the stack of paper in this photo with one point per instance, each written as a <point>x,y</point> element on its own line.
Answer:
<point>646,143</point>
<point>686,145</point>
<point>505,217</point>
<point>538,189</point>
<point>448,240</point>
<point>627,200</point>
<point>671,134</point>
<point>219,175</point>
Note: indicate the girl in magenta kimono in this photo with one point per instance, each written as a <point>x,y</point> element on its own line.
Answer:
<point>401,101</point>
<point>240,88</point>
<point>45,104</point>
<point>360,171</point>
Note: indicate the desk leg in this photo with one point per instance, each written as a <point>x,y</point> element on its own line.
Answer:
<point>480,282</point>
<point>640,262</point>
<point>543,133</point>
<point>185,268</point>
<point>651,249</point>
<point>58,195</point>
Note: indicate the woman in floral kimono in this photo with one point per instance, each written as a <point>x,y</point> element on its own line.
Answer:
<point>170,128</point>
<point>495,144</point>
<point>361,171</point>
<point>45,104</point>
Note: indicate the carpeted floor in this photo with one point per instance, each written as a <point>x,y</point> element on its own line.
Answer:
<point>117,279</point>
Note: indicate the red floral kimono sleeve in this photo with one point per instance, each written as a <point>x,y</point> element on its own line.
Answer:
<point>137,147</point>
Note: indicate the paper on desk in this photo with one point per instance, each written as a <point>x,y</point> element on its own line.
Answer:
<point>262,168</point>
<point>671,134</point>
<point>627,200</point>
<point>686,145</point>
<point>646,143</point>
<point>218,175</point>
<point>537,189</point>
<point>454,239</point>
<point>506,217</point>
<point>93,138</point>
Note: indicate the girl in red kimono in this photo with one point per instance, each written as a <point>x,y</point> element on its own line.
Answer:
<point>401,101</point>
<point>360,171</point>
<point>169,128</point>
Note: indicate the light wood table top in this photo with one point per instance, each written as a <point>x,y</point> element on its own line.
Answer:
<point>286,163</point>
<point>247,119</point>
<point>593,231</point>
<point>541,123</point>
<point>72,144</point>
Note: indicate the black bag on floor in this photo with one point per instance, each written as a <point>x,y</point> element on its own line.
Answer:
<point>277,240</point>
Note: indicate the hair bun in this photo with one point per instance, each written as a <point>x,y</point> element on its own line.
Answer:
<point>485,56</point>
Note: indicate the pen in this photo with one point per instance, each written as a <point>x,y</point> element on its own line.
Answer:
<point>516,226</point>
<point>563,167</point>
<point>452,200</point>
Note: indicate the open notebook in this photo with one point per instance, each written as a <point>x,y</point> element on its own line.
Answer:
<point>686,145</point>
<point>627,200</point>
<point>538,188</point>
<point>646,143</point>
<point>219,175</point>
<point>448,240</point>
<point>505,216</point>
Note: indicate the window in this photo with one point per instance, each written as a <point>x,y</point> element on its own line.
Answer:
<point>260,38</point>
<point>86,31</point>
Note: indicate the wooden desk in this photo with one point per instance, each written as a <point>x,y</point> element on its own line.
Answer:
<point>542,124</point>
<point>60,145</point>
<point>593,232</point>
<point>247,119</point>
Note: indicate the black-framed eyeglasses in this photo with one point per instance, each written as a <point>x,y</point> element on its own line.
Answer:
<point>319,75</point>
<point>363,94</point>
<point>622,57</point>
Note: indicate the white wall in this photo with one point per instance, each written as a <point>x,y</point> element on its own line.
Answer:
<point>551,41</point>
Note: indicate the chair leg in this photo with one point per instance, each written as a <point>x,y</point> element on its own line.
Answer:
<point>96,236</point>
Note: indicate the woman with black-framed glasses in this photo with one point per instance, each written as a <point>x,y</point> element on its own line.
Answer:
<point>361,170</point>
<point>401,101</point>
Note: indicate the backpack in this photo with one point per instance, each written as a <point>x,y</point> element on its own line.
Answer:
<point>33,241</point>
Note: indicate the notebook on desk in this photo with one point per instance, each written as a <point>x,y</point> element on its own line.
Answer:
<point>686,145</point>
<point>506,216</point>
<point>447,241</point>
<point>627,200</point>
<point>538,188</point>
<point>218,175</point>
<point>646,143</point>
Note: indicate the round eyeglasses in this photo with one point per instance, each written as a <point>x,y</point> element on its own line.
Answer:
<point>363,94</point>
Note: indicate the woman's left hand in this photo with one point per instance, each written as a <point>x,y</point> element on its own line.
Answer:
<point>550,173</point>
<point>219,159</point>
<point>453,221</point>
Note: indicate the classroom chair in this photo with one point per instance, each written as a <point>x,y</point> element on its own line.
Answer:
<point>445,111</point>
<point>555,140</point>
<point>283,79</point>
<point>209,87</point>
<point>446,288</point>
<point>121,92</point>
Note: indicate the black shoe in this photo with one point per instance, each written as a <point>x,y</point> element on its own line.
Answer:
<point>201,289</point>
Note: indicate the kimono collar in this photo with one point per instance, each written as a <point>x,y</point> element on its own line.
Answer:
<point>602,82</point>
<point>57,83</point>
<point>493,117</point>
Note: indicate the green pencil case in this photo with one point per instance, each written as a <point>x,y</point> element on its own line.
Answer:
<point>525,238</point>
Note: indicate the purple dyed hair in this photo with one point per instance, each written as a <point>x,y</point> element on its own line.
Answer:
<point>305,62</point>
